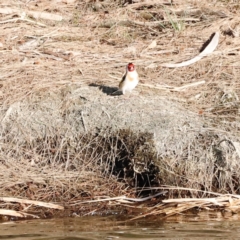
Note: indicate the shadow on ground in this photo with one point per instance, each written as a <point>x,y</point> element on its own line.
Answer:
<point>113,91</point>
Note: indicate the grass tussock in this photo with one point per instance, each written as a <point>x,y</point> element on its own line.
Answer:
<point>64,138</point>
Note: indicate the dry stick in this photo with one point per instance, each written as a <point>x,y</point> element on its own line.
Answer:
<point>80,70</point>
<point>148,3</point>
<point>13,213</point>
<point>26,201</point>
<point>192,189</point>
<point>205,200</point>
<point>35,14</point>
<point>45,15</point>
<point>55,54</point>
<point>177,89</point>
<point>187,86</point>
<point>128,23</point>
<point>23,19</point>
<point>47,55</point>
<point>123,198</point>
<point>157,23</point>
<point>42,37</point>
<point>169,88</point>
<point>104,110</point>
<point>83,121</point>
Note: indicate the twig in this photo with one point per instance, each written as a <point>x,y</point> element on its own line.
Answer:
<point>26,201</point>
<point>83,121</point>
<point>13,213</point>
<point>186,200</point>
<point>35,14</point>
<point>177,89</point>
<point>187,86</point>
<point>104,110</point>
<point>148,4</point>
<point>192,189</point>
<point>157,23</point>
<point>128,23</point>
<point>56,54</point>
<point>80,70</point>
<point>120,198</point>
<point>23,19</point>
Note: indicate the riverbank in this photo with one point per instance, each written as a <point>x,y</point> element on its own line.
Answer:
<point>66,139</point>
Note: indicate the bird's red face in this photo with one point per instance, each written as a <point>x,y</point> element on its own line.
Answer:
<point>130,67</point>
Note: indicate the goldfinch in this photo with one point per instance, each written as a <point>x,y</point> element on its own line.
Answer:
<point>129,80</point>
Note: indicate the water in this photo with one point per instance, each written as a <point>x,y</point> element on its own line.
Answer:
<point>109,228</point>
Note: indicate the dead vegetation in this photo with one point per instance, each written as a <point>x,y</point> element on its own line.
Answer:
<point>64,139</point>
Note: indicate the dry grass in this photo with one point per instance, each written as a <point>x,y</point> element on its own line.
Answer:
<point>62,138</point>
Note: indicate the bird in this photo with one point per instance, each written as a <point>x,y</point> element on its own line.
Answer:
<point>129,80</point>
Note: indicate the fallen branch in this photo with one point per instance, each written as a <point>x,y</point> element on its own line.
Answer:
<point>215,201</point>
<point>13,213</point>
<point>26,201</point>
